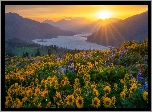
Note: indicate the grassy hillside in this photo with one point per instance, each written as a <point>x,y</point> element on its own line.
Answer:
<point>116,78</point>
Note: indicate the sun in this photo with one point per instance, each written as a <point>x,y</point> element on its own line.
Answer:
<point>105,14</point>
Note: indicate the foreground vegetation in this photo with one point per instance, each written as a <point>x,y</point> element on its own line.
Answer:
<point>116,78</point>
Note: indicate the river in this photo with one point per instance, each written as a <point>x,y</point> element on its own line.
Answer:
<point>71,42</point>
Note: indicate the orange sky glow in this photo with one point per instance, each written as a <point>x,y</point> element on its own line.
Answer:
<point>90,12</point>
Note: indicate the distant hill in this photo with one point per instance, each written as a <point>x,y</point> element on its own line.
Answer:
<point>75,24</point>
<point>80,24</point>
<point>26,29</point>
<point>114,34</point>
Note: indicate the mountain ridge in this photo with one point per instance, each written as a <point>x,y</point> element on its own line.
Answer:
<point>26,29</point>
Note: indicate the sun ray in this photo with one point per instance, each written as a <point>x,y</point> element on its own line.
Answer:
<point>111,32</point>
<point>122,37</point>
<point>102,32</point>
<point>98,26</point>
<point>106,35</point>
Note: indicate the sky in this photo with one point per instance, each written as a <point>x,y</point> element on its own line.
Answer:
<point>90,12</point>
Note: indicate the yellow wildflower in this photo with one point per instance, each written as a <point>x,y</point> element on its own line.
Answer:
<point>76,81</point>
<point>48,104</point>
<point>57,96</point>
<point>79,102</point>
<point>24,99</point>
<point>115,86</point>
<point>127,76</point>
<point>95,102</point>
<point>107,102</point>
<point>145,95</point>
<point>18,103</point>
<point>39,105</point>
<point>44,93</point>
<point>87,84</point>
<point>95,92</point>
<point>70,99</point>
<point>122,95</point>
<point>113,100</point>
<point>35,99</point>
<point>107,89</point>
<point>32,84</point>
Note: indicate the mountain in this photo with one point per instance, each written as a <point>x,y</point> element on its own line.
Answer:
<point>75,24</point>
<point>114,34</point>
<point>26,29</point>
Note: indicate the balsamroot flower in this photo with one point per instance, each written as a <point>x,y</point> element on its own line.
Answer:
<point>95,102</point>
<point>113,100</point>
<point>57,97</point>
<point>107,89</point>
<point>70,99</point>
<point>79,102</point>
<point>107,102</point>
<point>123,95</point>
<point>115,86</point>
<point>95,92</point>
<point>145,95</point>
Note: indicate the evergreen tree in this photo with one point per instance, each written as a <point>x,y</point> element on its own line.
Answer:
<point>38,53</point>
<point>49,52</point>
<point>27,54</point>
<point>24,55</point>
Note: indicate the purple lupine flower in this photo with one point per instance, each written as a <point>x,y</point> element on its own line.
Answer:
<point>119,60</point>
<point>140,73</point>
<point>69,63</point>
<point>144,87</point>
<point>126,58</point>
<point>71,66</point>
<point>122,52</point>
<point>63,70</point>
<point>139,76</point>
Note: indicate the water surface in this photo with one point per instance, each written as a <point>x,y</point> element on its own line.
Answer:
<point>71,42</point>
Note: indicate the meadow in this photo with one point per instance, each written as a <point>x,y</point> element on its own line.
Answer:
<point>115,78</point>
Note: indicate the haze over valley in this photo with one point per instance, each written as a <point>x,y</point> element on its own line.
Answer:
<point>80,25</point>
